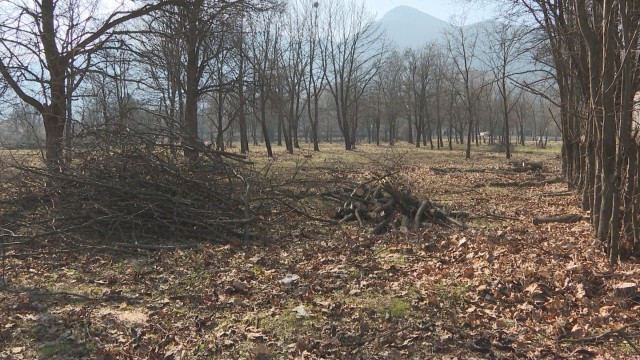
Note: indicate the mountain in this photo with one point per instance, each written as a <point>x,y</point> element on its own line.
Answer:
<point>410,27</point>
<point>407,27</point>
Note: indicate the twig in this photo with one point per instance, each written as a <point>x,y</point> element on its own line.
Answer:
<point>624,336</point>
<point>559,193</point>
<point>307,215</point>
<point>501,217</point>
<point>39,253</point>
<point>156,247</point>
<point>47,293</point>
<point>604,335</point>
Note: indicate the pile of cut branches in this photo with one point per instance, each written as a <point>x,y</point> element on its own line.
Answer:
<point>131,187</point>
<point>523,166</point>
<point>384,205</point>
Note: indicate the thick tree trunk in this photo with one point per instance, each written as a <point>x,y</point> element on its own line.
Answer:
<point>609,214</point>
<point>55,113</point>
<point>54,129</point>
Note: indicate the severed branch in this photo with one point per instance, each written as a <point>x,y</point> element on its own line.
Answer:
<point>559,193</point>
<point>501,217</point>
<point>381,227</point>
<point>521,184</point>
<point>417,220</point>
<point>155,247</point>
<point>605,335</point>
<point>565,219</point>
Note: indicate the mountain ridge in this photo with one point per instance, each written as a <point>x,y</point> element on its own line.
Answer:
<point>408,27</point>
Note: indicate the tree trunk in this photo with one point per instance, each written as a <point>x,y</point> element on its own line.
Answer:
<point>469,137</point>
<point>263,124</point>
<point>242,118</point>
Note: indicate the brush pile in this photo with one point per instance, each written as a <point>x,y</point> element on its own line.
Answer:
<point>130,187</point>
<point>385,206</point>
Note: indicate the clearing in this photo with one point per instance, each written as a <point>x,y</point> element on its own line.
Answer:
<point>503,288</point>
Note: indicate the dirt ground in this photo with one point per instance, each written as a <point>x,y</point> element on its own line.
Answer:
<point>503,288</point>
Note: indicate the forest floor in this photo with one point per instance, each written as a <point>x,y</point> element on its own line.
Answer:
<point>503,288</point>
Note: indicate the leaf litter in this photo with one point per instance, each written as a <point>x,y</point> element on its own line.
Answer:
<point>502,288</point>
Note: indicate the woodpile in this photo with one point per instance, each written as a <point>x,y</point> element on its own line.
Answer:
<point>523,166</point>
<point>384,206</point>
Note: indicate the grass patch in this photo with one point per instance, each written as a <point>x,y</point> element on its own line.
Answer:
<point>63,349</point>
<point>450,295</point>
<point>287,325</point>
<point>383,305</point>
<point>397,308</point>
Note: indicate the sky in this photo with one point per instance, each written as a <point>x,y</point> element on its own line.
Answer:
<point>442,9</point>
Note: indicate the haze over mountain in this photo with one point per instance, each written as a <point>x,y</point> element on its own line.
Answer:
<point>408,27</point>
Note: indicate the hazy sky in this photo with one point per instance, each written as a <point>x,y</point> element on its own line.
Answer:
<point>442,9</point>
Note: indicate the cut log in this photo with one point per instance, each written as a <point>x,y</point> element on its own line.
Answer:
<point>381,227</point>
<point>376,193</point>
<point>459,214</point>
<point>521,184</point>
<point>348,217</point>
<point>441,215</point>
<point>359,216</point>
<point>417,220</point>
<point>559,193</point>
<point>405,222</point>
<point>406,202</point>
<point>565,219</point>
<point>627,289</point>
<point>387,206</point>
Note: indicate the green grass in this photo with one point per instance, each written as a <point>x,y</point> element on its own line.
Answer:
<point>287,325</point>
<point>451,295</point>
<point>383,305</point>
<point>398,308</point>
<point>63,349</point>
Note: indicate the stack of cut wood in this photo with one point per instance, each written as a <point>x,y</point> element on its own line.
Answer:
<point>383,205</point>
<point>522,166</point>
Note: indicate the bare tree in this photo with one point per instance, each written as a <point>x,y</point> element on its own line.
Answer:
<point>462,46</point>
<point>262,52</point>
<point>390,81</point>
<point>421,67</point>
<point>506,46</point>
<point>354,45</point>
<point>160,57</point>
<point>315,80</point>
<point>43,44</point>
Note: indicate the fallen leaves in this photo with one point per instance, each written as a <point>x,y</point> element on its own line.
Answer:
<point>501,288</point>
